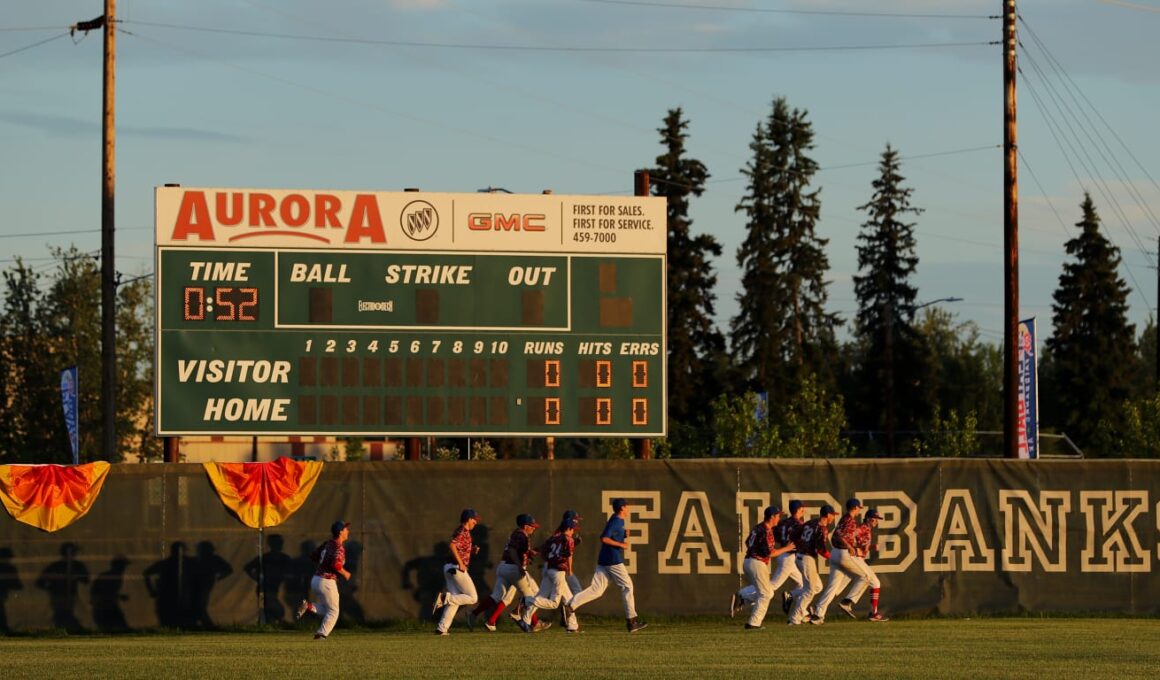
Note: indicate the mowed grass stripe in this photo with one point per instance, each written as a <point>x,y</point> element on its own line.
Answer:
<point>1044,649</point>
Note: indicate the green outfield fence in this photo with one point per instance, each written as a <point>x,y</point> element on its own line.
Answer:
<point>159,549</point>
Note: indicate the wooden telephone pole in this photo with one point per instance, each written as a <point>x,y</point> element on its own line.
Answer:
<point>108,261</point>
<point>1010,242</point>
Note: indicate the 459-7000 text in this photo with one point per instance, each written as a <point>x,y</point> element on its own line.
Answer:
<point>410,346</point>
<point>597,237</point>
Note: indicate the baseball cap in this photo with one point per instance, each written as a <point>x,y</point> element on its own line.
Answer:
<point>853,503</point>
<point>772,510</point>
<point>467,514</point>
<point>569,523</point>
<point>618,503</point>
<point>794,506</point>
<point>526,520</point>
<point>572,514</point>
<point>337,527</point>
<point>827,510</point>
<point>873,513</point>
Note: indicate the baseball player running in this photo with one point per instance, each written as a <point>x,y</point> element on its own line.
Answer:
<point>786,562</point>
<point>844,563</point>
<point>573,582</point>
<point>570,578</point>
<point>554,589</point>
<point>460,589</point>
<point>610,565</point>
<point>810,540</point>
<point>759,550</point>
<point>863,540</point>
<point>330,558</point>
<point>511,576</point>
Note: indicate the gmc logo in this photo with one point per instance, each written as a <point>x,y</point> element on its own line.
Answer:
<point>502,222</point>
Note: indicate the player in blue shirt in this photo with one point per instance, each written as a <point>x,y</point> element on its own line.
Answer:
<point>610,566</point>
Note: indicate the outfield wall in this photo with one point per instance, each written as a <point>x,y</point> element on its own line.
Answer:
<point>159,548</point>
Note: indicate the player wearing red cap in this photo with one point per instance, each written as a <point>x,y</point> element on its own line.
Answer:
<point>460,589</point>
<point>330,561</point>
<point>810,540</point>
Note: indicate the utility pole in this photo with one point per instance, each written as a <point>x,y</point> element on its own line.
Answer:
<point>108,262</point>
<point>641,447</point>
<point>1010,242</point>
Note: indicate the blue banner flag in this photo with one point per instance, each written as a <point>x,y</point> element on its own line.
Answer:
<point>1028,391</point>
<point>68,395</point>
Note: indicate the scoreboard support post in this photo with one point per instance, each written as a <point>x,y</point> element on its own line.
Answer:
<point>643,447</point>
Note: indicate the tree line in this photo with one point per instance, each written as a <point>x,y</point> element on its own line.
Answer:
<point>907,381</point>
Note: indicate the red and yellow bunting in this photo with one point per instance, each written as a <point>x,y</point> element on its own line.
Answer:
<point>264,494</point>
<point>51,497</point>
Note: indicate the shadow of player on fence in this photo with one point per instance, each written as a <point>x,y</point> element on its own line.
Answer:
<point>270,572</point>
<point>62,581</point>
<point>428,570</point>
<point>106,596</point>
<point>9,581</point>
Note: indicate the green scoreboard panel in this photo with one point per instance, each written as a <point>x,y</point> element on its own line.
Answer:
<point>296,312</point>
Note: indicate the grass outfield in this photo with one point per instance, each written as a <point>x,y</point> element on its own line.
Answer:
<point>1045,649</point>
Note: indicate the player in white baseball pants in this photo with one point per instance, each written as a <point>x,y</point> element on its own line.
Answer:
<point>330,561</point>
<point>460,591</point>
<point>510,579</point>
<point>862,550</point>
<point>844,568</point>
<point>810,539</point>
<point>324,601</point>
<point>786,570</point>
<point>554,589</point>
<point>844,563</point>
<point>786,566</point>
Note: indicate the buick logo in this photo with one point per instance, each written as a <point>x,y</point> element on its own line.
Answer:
<point>419,220</point>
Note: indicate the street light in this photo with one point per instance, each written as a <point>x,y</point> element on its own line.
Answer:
<point>935,302</point>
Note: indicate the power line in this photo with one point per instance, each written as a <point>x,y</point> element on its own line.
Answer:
<point>14,29</point>
<point>791,171</point>
<point>1086,160</point>
<point>1042,191</point>
<point>812,12</point>
<point>916,156</point>
<point>1118,169</point>
<point>556,48</point>
<point>95,230</point>
<point>35,44</point>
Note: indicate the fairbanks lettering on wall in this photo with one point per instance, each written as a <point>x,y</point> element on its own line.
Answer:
<point>958,537</point>
<point>1033,535</point>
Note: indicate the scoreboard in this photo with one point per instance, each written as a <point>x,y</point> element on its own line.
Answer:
<point>413,313</point>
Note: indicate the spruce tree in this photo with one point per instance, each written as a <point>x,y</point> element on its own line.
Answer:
<point>782,333</point>
<point>1093,345</point>
<point>694,343</point>
<point>890,375</point>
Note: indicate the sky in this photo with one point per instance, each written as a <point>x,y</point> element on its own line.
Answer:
<point>527,95</point>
